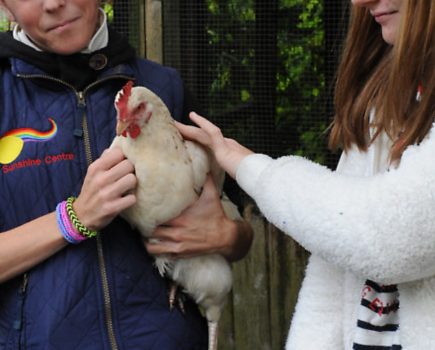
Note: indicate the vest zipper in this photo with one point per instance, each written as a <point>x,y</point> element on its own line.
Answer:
<point>84,132</point>
<point>106,294</point>
<point>100,250</point>
<point>21,295</point>
<point>88,153</point>
<point>18,323</point>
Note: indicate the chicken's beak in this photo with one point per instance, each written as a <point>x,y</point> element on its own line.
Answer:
<point>121,127</point>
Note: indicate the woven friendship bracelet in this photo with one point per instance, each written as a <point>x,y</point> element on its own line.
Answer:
<point>67,231</point>
<point>74,234</point>
<point>82,229</point>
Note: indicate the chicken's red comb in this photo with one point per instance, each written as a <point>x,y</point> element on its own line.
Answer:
<point>124,95</point>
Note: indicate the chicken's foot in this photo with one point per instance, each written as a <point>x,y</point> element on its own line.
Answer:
<point>175,297</point>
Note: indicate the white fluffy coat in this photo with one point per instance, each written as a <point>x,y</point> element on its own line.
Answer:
<point>357,226</point>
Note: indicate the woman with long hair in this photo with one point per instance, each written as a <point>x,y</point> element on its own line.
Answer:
<point>370,225</point>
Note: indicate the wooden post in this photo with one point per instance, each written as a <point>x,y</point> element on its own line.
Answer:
<point>154,30</point>
<point>251,307</point>
<point>172,33</point>
<point>264,91</point>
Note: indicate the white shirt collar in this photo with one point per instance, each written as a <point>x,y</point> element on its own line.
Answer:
<point>98,41</point>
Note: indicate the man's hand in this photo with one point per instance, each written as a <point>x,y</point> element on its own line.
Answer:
<point>107,190</point>
<point>202,228</point>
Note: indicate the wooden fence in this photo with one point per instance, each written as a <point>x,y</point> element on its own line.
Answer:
<point>266,285</point>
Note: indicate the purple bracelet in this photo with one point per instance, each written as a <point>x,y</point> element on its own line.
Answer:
<point>69,225</point>
<point>68,231</point>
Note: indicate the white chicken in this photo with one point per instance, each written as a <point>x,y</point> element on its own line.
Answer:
<point>171,173</point>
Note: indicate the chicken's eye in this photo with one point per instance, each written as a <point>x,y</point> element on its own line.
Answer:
<point>140,108</point>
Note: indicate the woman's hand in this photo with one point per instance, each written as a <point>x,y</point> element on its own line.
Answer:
<point>107,190</point>
<point>228,152</point>
<point>202,228</point>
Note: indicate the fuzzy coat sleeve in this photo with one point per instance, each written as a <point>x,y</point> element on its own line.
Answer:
<point>380,227</point>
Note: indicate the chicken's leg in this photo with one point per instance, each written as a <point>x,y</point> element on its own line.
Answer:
<point>212,335</point>
<point>174,296</point>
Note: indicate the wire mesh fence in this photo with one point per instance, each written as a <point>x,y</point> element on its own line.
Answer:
<point>262,69</point>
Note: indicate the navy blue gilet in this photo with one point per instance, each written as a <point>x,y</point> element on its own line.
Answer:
<point>101,294</point>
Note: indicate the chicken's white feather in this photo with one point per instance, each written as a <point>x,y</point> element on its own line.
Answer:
<point>171,173</point>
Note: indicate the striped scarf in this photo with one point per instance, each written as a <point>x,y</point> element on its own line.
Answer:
<point>378,318</point>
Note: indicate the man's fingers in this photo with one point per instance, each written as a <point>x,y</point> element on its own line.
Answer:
<point>162,247</point>
<point>125,184</point>
<point>173,249</point>
<point>109,158</point>
<point>120,170</point>
<point>163,233</point>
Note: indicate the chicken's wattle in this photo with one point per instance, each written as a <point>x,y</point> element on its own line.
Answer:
<point>133,130</point>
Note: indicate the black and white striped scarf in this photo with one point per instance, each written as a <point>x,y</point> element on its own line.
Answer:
<point>378,318</point>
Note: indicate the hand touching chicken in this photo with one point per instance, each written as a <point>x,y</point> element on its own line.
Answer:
<point>228,152</point>
<point>170,174</point>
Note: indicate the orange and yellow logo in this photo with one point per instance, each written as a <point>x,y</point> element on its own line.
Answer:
<point>12,143</point>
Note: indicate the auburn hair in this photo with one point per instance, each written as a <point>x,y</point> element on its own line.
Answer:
<point>374,75</point>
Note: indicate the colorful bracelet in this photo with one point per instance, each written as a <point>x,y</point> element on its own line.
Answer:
<point>70,234</point>
<point>82,229</point>
<point>69,226</point>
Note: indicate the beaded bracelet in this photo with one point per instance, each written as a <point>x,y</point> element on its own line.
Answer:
<point>70,234</point>
<point>82,229</point>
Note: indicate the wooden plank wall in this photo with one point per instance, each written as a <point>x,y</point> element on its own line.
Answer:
<point>266,285</point>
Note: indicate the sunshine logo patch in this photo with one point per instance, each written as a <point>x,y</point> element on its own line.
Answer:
<point>12,143</point>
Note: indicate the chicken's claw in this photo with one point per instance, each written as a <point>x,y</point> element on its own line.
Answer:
<point>174,297</point>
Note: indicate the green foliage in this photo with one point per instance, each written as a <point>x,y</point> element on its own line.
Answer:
<point>229,27</point>
<point>301,78</point>
<point>4,22</point>
<point>108,9</point>
<point>299,120</point>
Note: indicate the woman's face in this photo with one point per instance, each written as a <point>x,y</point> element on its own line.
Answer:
<point>387,13</point>
<point>61,26</point>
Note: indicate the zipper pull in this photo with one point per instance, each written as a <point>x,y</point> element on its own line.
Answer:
<point>81,102</point>
<point>81,99</point>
